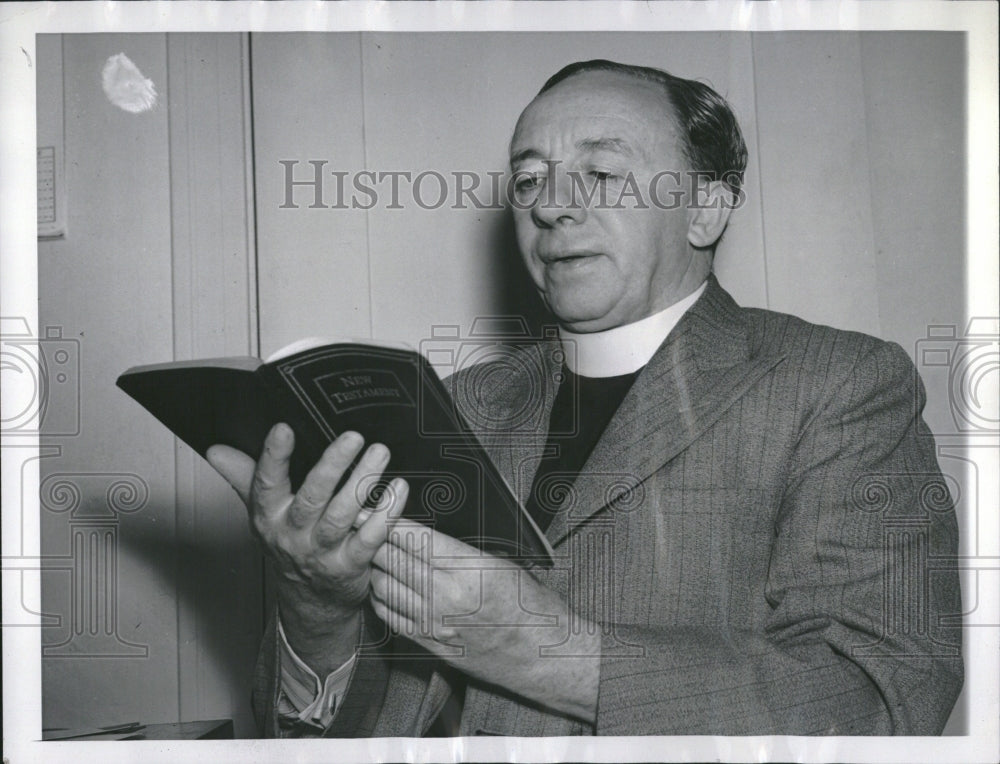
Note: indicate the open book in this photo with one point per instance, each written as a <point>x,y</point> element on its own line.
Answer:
<point>389,394</point>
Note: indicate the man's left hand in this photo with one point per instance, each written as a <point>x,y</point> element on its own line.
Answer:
<point>487,617</point>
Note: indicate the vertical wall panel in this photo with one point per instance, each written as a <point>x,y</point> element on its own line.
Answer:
<point>740,257</point>
<point>915,101</point>
<point>313,266</point>
<point>152,573</point>
<point>814,178</point>
<point>214,311</point>
<point>107,285</point>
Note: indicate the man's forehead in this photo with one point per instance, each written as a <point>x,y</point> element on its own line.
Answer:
<point>606,100</point>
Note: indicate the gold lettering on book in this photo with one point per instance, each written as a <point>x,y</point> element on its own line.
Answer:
<point>372,387</point>
<point>355,380</point>
<point>366,392</point>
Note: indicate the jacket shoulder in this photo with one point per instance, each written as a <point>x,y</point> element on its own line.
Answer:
<point>807,346</point>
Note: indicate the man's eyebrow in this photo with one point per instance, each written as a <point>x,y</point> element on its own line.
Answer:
<point>618,145</point>
<point>523,154</point>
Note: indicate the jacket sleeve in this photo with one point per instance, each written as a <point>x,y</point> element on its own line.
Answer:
<point>267,680</point>
<point>359,709</point>
<point>862,571</point>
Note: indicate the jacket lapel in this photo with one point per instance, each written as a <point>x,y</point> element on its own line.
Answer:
<point>517,408</point>
<point>702,368</point>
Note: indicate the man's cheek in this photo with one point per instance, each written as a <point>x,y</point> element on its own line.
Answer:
<point>536,269</point>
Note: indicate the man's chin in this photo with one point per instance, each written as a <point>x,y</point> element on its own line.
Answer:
<point>583,321</point>
<point>578,311</point>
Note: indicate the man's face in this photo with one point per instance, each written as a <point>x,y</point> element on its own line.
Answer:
<point>600,265</point>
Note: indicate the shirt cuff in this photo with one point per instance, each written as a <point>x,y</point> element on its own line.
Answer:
<point>303,697</point>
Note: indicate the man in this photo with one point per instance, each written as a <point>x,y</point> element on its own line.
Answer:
<point>723,564</point>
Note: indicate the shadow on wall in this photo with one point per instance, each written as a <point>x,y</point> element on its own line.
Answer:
<point>204,570</point>
<point>515,292</point>
<point>112,623</point>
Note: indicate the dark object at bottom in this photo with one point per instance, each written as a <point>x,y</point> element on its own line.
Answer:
<point>211,729</point>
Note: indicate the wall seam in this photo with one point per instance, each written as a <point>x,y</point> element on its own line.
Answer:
<point>760,168</point>
<point>250,178</point>
<point>866,96</point>
<point>364,150</point>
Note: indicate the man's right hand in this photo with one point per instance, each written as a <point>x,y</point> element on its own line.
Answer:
<point>321,543</point>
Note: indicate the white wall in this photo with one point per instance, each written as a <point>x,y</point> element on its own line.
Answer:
<point>155,265</point>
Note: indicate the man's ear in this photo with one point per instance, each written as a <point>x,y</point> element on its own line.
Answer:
<point>709,214</point>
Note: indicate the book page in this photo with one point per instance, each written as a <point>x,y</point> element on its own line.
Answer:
<point>308,343</point>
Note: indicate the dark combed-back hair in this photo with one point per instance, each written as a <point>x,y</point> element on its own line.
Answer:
<point>713,142</point>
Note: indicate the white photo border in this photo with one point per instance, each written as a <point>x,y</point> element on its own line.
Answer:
<point>20,22</point>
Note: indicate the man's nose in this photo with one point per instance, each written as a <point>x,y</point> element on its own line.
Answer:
<point>559,202</point>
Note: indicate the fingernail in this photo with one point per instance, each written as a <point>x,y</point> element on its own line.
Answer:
<point>352,439</point>
<point>399,488</point>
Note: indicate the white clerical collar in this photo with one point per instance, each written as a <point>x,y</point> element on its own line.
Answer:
<point>623,349</point>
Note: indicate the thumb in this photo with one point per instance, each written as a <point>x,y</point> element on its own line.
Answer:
<point>235,466</point>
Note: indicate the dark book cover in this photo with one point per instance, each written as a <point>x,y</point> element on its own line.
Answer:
<point>389,395</point>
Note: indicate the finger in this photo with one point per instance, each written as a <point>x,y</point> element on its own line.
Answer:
<point>398,597</point>
<point>410,579</point>
<point>406,540</point>
<point>235,466</point>
<point>271,485</point>
<point>411,609</point>
<point>318,487</point>
<point>372,534</point>
<point>398,623</point>
<point>415,538</point>
<point>436,544</point>
<point>380,559</point>
<point>339,515</point>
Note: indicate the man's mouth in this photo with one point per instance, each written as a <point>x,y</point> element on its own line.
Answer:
<point>567,258</point>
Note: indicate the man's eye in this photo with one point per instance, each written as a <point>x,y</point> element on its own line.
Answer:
<point>603,176</point>
<point>528,182</point>
<point>528,187</point>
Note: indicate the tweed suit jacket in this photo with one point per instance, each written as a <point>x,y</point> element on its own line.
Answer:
<point>763,536</point>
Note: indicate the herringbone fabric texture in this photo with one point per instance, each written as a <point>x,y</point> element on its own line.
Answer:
<point>761,531</point>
